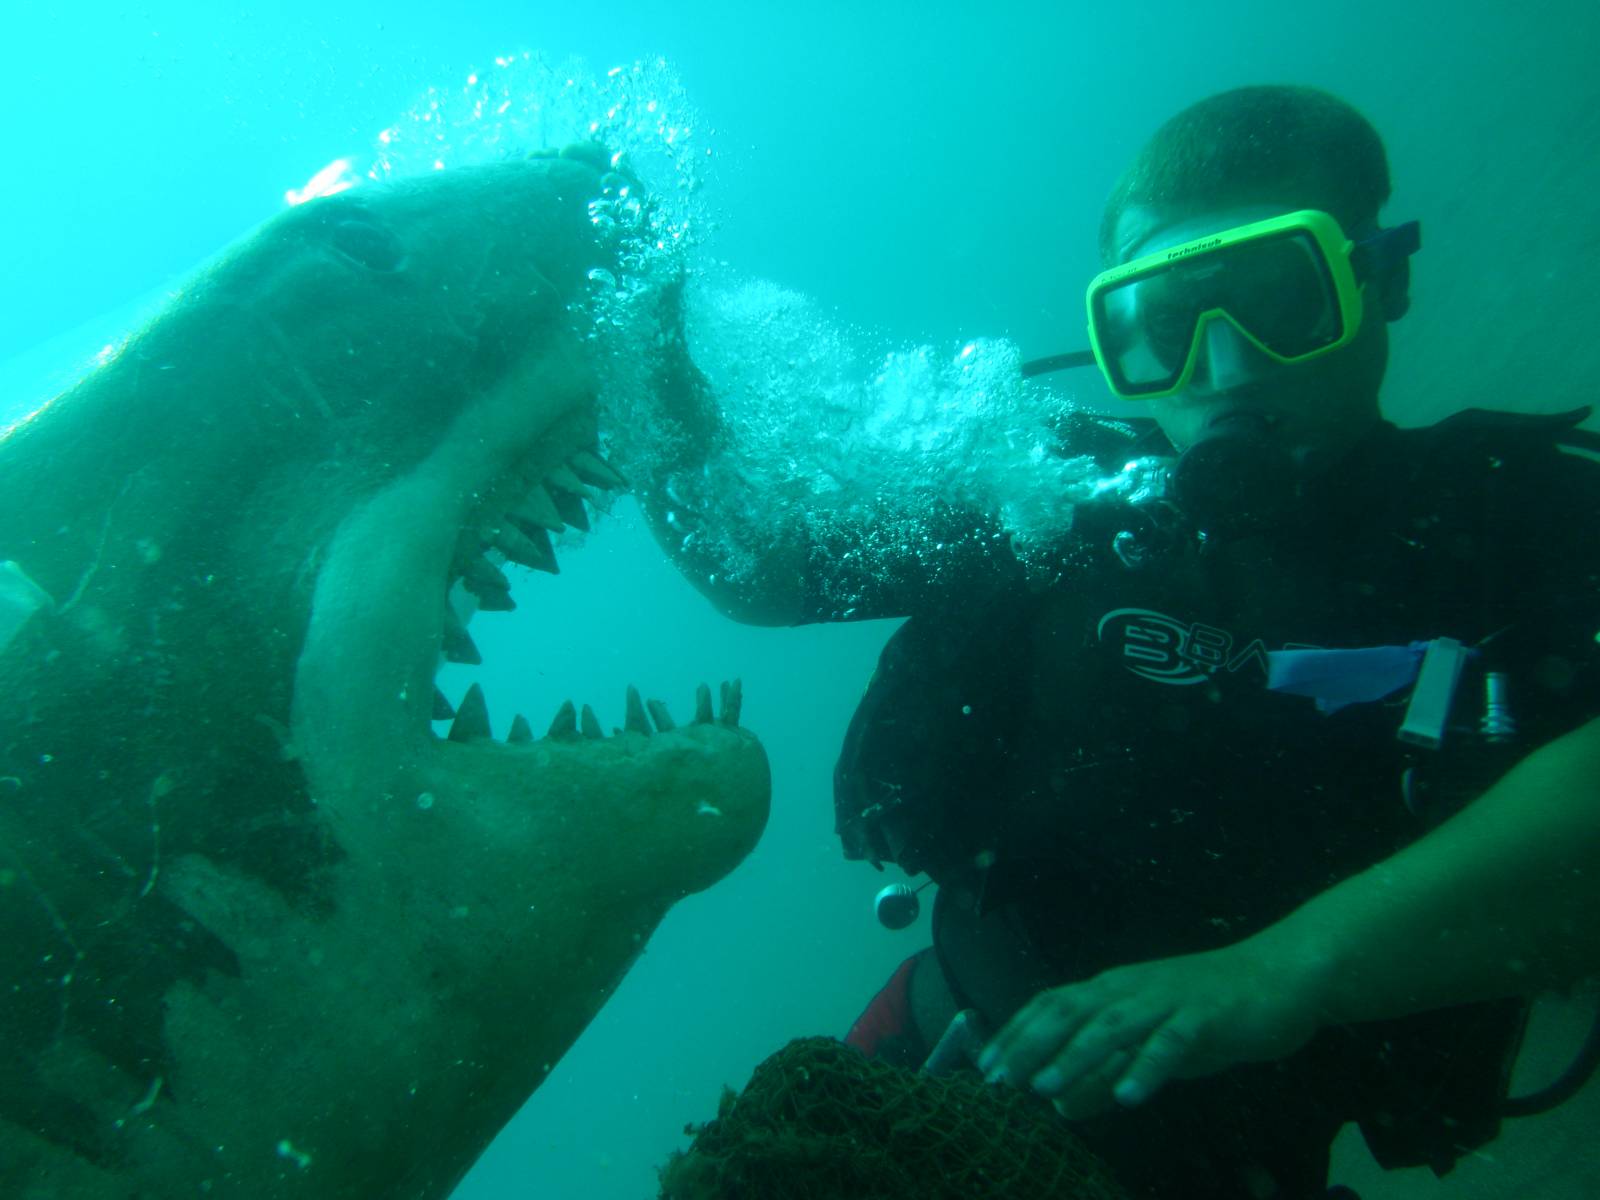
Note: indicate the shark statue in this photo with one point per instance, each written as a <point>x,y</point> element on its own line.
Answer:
<point>266,934</point>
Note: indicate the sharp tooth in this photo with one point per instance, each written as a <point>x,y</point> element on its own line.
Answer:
<point>594,470</point>
<point>479,572</point>
<point>496,602</point>
<point>458,647</point>
<point>521,731</point>
<point>660,715</point>
<point>732,701</point>
<point>635,721</point>
<point>564,478</point>
<point>538,509</point>
<point>565,726</point>
<point>442,709</point>
<point>472,718</point>
<point>570,506</point>
<point>528,545</point>
<point>702,706</point>
<point>489,584</point>
<point>590,723</point>
<point>520,549</point>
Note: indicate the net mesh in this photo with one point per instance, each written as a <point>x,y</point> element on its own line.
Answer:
<point>819,1121</point>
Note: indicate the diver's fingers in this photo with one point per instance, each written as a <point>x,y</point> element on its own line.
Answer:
<point>1091,1095</point>
<point>1165,1055</point>
<point>1123,1026</point>
<point>1032,1037</point>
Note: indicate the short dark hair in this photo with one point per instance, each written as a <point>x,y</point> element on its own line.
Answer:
<point>1229,149</point>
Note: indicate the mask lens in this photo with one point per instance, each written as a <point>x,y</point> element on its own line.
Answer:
<point>1147,339</point>
<point>1278,289</point>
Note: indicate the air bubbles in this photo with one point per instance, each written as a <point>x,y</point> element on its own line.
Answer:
<point>639,111</point>
<point>834,438</point>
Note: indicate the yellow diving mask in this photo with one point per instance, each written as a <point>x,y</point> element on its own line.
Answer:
<point>1292,286</point>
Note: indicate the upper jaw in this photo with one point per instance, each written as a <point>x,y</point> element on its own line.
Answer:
<point>364,699</point>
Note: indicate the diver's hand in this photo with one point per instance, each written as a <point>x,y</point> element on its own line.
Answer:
<point>1118,1037</point>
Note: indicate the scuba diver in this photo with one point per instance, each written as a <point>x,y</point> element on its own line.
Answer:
<point>1270,813</point>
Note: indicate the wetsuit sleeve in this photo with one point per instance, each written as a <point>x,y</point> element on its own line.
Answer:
<point>827,565</point>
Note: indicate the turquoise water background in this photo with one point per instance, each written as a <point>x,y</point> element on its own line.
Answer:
<point>929,172</point>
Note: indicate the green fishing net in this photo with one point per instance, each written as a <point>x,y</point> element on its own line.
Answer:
<point>819,1121</point>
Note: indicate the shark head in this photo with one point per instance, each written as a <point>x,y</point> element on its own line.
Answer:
<point>274,929</point>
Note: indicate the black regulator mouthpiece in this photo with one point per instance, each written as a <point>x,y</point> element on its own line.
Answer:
<point>1236,478</point>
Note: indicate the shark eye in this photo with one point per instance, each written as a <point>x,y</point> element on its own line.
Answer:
<point>367,243</point>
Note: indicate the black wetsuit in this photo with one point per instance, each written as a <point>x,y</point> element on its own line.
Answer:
<point>1096,774</point>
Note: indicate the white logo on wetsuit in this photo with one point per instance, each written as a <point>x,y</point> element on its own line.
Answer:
<point>1164,649</point>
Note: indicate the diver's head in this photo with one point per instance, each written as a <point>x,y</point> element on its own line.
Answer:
<point>1233,160</point>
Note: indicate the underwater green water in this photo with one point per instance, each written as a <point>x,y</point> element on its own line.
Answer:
<point>926,174</point>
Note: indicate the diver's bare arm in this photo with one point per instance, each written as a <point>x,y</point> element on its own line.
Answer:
<point>1500,900</point>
